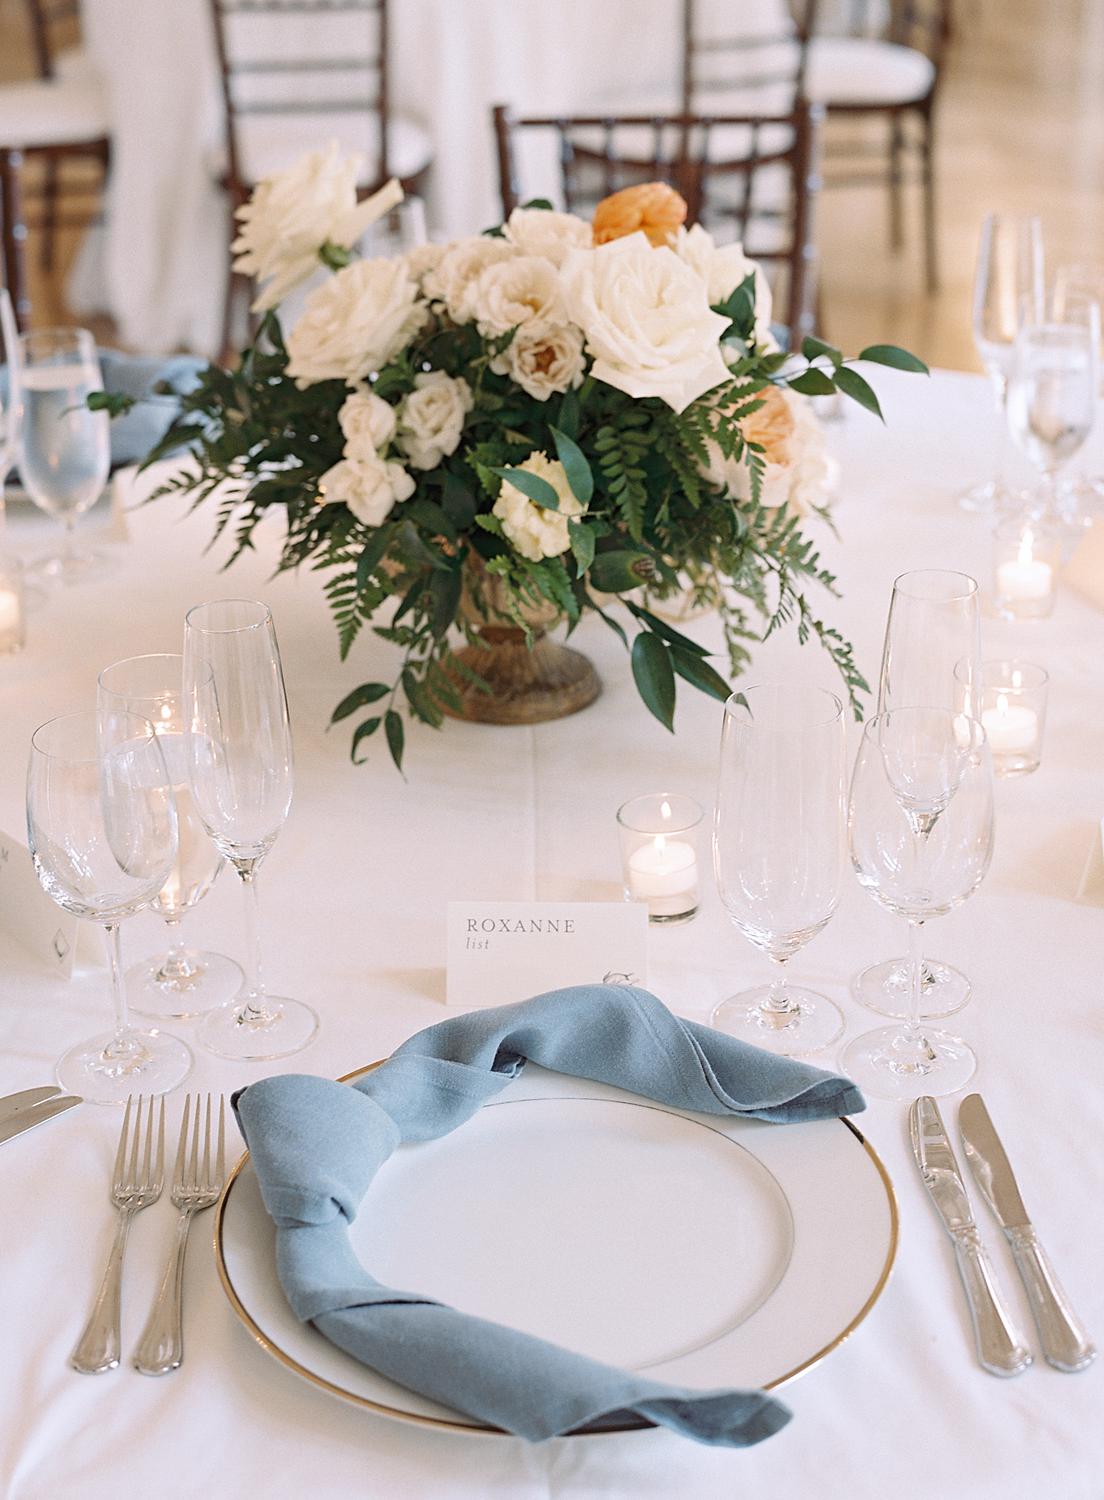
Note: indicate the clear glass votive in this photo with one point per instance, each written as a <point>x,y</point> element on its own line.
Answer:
<point>1026,557</point>
<point>13,614</point>
<point>659,854</point>
<point>1013,699</point>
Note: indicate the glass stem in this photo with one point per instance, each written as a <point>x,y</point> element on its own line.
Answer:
<point>778,1002</point>
<point>916,977</point>
<point>1000,395</point>
<point>69,522</point>
<point>253,991</point>
<point>120,1045</point>
<point>175,969</point>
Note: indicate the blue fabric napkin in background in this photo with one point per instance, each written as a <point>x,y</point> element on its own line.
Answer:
<point>316,1145</point>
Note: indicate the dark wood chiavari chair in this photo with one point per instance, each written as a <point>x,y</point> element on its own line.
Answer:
<point>766,67</point>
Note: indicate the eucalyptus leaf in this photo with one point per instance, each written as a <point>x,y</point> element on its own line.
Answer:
<point>814,348</point>
<point>655,677</point>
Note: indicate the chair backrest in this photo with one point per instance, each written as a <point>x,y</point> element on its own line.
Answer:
<point>52,23</point>
<point>757,67</point>
<point>279,59</point>
<point>923,25</point>
<point>751,178</point>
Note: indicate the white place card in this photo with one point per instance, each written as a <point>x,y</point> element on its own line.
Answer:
<point>503,951</point>
<point>29,916</point>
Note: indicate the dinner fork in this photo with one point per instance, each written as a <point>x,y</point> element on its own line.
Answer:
<point>195,1187</point>
<point>133,1187</point>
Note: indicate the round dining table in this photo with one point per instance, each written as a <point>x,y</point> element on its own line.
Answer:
<point>353,903</point>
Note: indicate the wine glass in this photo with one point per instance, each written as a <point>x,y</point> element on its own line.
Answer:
<point>65,448</point>
<point>931,659</point>
<point>101,823</point>
<point>1052,395</point>
<point>10,406</point>
<point>1008,290</point>
<point>921,832</point>
<point>182,982</point>
<point>778,852</point>
<point>1076,287</point>
<point>240,771</point>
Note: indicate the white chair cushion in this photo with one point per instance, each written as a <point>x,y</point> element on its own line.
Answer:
<point>52,112</point>
<point>272,142</point>
<point>74,62</point>
<point>859,70</point>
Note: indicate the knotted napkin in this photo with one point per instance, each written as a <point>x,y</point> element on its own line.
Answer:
<point>316,1145</point>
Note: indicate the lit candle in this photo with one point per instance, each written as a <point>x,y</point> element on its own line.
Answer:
<point>11,620</point>
<point>1025,576</point>
<point>1011,728</point>
<point>663,868</point>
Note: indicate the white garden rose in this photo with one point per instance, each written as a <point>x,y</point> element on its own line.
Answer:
<point>535,530</point>
<point>431,418</point>
<point>525,289</point>
<point>292,214</point>
<point>368,422</point>
<point>544,359</point>
<point>368,486</point>
<point>799,471</point>
<point>723,268</point>
<point>456,274</point>
<point>355,322</point>
<point>647,320</point>
<point>423,260</point>
<point>540,231</point>
<point>816,473</point>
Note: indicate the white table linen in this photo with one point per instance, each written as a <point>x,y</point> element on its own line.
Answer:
<point>353,920</point>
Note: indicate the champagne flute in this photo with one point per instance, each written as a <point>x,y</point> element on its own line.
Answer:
<point>778,852</point>
<point>65,448</point>
<point>921,833</point>
<point>101,823</point>
<point>182,982</point>
<point>1076,287</point>
<point>1052,395</point>
<point>240,771</point>
<point>931,659</point>
<point>1008,290</point>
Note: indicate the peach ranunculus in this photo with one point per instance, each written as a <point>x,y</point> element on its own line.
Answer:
<point>771,426</point>
<point>652,207</point>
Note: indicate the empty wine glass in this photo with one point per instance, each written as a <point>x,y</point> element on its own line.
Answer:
<point>11,404</point>
<point>778,851</point>
<point>933,632</point>
<point>920,822</point>
<point>240,770</point>
<point>1076,288</point>
<point>101,823</point>
<point>65,449</point>
<point>1052,394</point>
<point>1008,290</point>
<point>182,982</point>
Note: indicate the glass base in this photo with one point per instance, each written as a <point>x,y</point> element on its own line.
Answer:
<point>213,980</point>
<point>884,989</point>
<point>891,1063</point>
<point>107,1069</point>
<point>981,499</point>
<point>248,1034</point>
<point>813,1022</point>
<point>69,568</point>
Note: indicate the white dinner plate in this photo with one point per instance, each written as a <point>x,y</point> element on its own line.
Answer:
<point>697,1249</point>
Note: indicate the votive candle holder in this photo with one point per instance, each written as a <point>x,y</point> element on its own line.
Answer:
<point>1013,700</point>
<point>660,854</point>
<point>1026,559</point>
<point>13,612</point>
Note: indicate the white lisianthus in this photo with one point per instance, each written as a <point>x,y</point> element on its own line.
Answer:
<point>369,486</point>
<point>431,418</point>
<point>647,321</point>
<point>368,422</point>
<point>541,231</point>
<point>525,289</point>
<point>535,530</point>
<point>723,268</point>
<point>453,279</point>
<point>354,323</point>
<point>292,214</point>
<point>544,359</point>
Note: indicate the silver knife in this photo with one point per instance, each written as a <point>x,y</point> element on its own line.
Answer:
<point>1000,1350</point>
<point>1066,1343</point>
<point>11,1104</point>
<point>37,1114</point>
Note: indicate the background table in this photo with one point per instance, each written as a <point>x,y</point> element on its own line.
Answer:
<point>353,916</point>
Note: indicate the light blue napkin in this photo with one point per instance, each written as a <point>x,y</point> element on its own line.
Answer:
<point>316,1145</point>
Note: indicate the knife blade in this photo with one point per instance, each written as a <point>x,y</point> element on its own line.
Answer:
<point>1000,1350</point>
<point>37,1114</point>
<point>1065,1340</point>
<point>11,1104</point>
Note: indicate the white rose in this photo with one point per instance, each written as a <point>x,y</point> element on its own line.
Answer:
<point>539,231</point>
<point>368,422</point>
<point>355,323</point>
<point>723,268</point>
<point>544,359</point>
<point>455,275</point>
<point>647,320</point>
<point>525,289</point>
<point>292,214</point>
<point>423,260</point>
<point>368,486</point>
<point>535,530</point>
<point>431,418</point>
<point>816,472</point>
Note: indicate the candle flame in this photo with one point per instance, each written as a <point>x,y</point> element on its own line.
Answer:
<point>1017,678</point>
<point>1002,704</point>
<point>665,809</point>
<point>1027,545</point>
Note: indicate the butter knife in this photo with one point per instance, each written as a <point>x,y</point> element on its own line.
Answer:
<point>1066,1343</point>
<point>1000,1350</point>
<point>36,1114</point>
<point>13,1104</point>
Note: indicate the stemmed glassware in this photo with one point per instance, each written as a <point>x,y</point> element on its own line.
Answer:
<point>101,824</point>
<point>778,852</point>
<point>921,834</point>
<point>931,659</point>
<point>65,451</point>
<point>11,404</point>
<point>1076,287</point>
<point>240,772</point>
<point>1008,291</point>
<point>182,982</point>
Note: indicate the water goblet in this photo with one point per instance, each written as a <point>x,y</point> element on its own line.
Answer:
<point>101,823</point>
<point>1075,288</point>
<point>11,398</point>
<point>1052,395</point>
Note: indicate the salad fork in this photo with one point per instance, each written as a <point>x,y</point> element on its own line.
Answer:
<point>134,1186</point>
<point>196,1186</point>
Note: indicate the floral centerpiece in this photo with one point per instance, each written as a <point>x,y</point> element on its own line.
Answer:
<point>508,431</point>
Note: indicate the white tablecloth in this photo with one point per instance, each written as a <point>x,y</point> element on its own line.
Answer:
<point>353,902</point>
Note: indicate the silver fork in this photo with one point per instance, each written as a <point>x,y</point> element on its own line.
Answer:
<point>195,1187</point>
<point>134,1186</point>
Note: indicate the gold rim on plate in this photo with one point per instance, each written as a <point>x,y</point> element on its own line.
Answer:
<point>483,1429</point>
